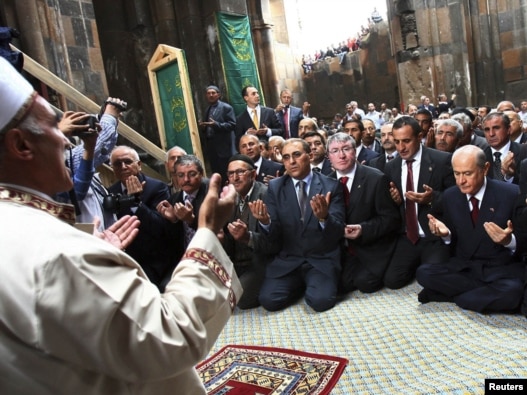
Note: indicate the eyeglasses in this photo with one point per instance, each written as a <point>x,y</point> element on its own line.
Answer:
<point>238,172</point>
<point>344,150</point>
<point>127,162</point>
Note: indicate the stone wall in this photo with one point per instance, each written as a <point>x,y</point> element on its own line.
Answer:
<point>62,36</point>
<point>367,75</point>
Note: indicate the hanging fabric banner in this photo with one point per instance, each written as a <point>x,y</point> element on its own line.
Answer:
<point>238,60</point>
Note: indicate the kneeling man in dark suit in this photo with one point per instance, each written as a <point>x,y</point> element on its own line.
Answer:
<point>484,273</point>
<point>304,214</point>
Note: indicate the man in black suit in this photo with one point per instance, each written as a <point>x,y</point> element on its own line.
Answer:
<point>372,218</point>
<point>288,115</point>
<point>217,131</point>
<point>418,176</point>
<point>503,155</point>
<point>483,275</point>
<point>319,160</point>
<point>355,128</point>
<point>444,105</point>
<point>265,169</point>
<point>388,148</point>
<point>244,242</point>
<point>425,104</point>
<point>517,134</point>
<point>256,119</point>
<point>139,195</point>
<point>303,214</point>
<point>182,208</point>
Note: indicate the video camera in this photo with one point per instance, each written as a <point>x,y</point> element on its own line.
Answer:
<point>117,202</point>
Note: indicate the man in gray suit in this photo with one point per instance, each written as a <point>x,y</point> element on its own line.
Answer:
<point>244,242</point>
<point>303,214</point>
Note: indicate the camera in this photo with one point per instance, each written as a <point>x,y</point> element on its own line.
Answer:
<point>116,202</point>
<point>90,123</point>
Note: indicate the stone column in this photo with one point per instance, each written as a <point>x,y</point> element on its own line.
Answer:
<point>259,14</point>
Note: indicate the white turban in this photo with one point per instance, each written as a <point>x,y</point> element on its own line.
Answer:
<point>16,95</point>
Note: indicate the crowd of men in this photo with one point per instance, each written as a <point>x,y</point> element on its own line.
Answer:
<point>388,221</point>
<point>306,212</point>
<point>322,212</point>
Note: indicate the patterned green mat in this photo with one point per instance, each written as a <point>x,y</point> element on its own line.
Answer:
<point>394,344</point>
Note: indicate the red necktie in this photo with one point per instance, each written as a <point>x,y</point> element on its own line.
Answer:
<point>286,123</point>
<point>412,231</point>
<point>344,182</point>
<point>475,210</point>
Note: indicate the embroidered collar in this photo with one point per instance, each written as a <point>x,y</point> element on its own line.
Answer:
<point>62,211</point>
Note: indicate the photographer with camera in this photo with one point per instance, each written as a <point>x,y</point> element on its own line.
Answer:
<point>158,245</point>
<point>90,196</point>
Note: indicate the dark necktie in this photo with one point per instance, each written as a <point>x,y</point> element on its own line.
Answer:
<point>316,169</point>
<point>286,123</point>
<point>242,203</point>
<point>344,182</point>
<point>475,210</point>
<point>412,230</point>
<point>189,231</point>
<point>302,198</point>
<point>389,158</point>
<point>497,166</point>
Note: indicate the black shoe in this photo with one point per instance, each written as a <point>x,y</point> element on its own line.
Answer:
<point>427,295</point>
<point>423,296</point>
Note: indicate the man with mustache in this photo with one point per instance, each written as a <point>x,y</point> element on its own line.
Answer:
<point>138,194</point>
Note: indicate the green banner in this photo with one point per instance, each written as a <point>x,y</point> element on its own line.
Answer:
<point>173,104</point>
<point>238,60</point>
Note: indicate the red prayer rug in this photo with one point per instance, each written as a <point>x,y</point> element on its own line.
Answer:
<point>252,370</point>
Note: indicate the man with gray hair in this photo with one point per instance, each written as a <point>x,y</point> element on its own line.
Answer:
<point>170,158</point>
<point>138,194</point>
<point>372,218</point>
<point>484,274</point>
<point>448,134</point>
<point>469,136</point>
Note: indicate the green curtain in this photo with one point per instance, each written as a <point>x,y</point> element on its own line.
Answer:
<point>238,60</point>
<point>173,104</point>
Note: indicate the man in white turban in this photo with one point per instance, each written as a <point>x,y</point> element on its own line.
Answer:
<point>78,315</point>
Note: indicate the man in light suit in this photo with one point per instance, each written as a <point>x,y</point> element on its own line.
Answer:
<point>372,218</point>
<point>152,247</point>
<point>244,242</point>
<point>288,115</point>
<point>432,174</point>
<point>483,275</point>
<point>217,131</point>
<point>256,119</point>
<point>304,215</point>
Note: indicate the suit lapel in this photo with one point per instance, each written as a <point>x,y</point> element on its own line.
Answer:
<point>356,187</point>
<point>426,170</point>
<point>315,188</point>
<point>488,206</point>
